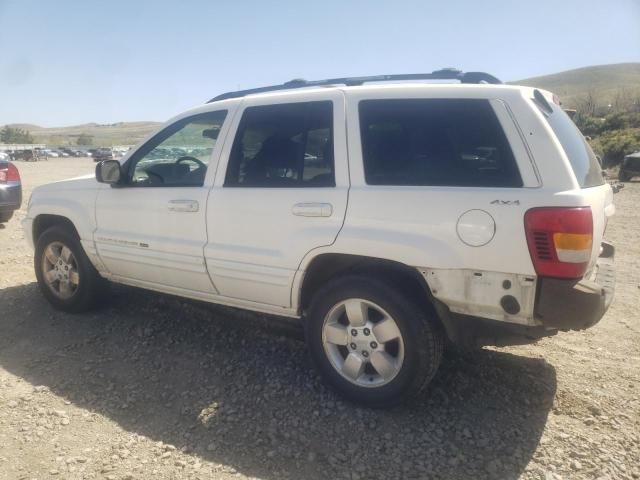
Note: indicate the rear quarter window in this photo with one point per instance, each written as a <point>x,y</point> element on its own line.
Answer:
<point>583,161</point>
<point>435,142</point>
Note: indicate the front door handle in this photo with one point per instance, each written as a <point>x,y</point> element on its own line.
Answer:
<point>312,209</point>
<point>184,205</point>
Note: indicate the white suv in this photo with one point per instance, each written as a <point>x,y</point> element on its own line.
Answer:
<point>389,214</point>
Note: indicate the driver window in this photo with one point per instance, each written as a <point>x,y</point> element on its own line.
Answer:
<point>179,155</point>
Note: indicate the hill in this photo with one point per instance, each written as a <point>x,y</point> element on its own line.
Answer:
<point>121,133</point>
<point>603,82</point>
<point>607,98</point>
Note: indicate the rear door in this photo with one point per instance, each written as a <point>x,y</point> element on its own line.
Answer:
<point>441,183</point>
<point>439,177</point>
<point>281,191</point>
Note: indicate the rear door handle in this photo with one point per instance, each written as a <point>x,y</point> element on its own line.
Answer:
<point>312,209</point>
<point>184,205</point>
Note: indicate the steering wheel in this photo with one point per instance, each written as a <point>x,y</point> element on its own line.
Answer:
<point>189,158</point>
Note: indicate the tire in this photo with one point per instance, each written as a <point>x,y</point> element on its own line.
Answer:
<point>409,361</point>
<point>5,216</point>
<point>89,286</point>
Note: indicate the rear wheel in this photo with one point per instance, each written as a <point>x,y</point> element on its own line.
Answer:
<point>5,216</point>
<point>65,274</point>
<point>370,342</point>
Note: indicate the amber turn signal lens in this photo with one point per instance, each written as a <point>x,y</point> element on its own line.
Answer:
<point>573,241</point>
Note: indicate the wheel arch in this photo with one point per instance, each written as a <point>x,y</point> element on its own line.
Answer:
<point>44,221</point>
<point>327,266</point>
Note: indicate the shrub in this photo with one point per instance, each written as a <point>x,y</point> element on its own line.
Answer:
<point>616,144</point>
<point>588,125</point>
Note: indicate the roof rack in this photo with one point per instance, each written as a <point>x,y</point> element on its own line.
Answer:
<point>444,74</point>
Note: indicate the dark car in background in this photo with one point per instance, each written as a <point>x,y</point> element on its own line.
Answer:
<point>10,190</point>
<point>70,152</point>
<point>630,167</point>
<point>27,155</point>
<point>101,154</point>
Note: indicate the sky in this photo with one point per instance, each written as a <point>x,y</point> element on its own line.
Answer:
<point>70,62</point>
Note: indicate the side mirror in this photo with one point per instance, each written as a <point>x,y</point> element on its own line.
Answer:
<point>108,171</point>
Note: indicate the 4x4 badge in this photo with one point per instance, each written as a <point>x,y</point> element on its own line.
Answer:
<point>505,202</point>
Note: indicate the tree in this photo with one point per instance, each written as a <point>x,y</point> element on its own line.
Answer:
<point>84,139</point>
<point>622,100</point>
<point>15,135</point>
<point>588,103</point>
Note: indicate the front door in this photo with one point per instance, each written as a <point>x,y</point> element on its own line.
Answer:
<point>283,193</point>
<point>151,228</point>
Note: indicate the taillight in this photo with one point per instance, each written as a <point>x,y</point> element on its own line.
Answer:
<point>560,240</point>
<point>9,174</point>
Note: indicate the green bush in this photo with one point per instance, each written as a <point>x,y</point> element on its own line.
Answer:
<point>613,136</point>
<point>616,144</point>
<point>596,145</point>
<point>587,124</point>
<point>84,139</point>
<point>619,121</point>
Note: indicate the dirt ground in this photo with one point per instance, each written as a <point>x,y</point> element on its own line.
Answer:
<point>156,387</point>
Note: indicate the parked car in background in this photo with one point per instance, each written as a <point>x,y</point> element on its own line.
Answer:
<point>120,152</point>
<point>102,154</point>
<point>28,155</point>
<point>67,152</point>
<point>630,167</point>
<point>10,190</point>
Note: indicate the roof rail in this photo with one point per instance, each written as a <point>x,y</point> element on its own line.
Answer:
<point>444,74</point>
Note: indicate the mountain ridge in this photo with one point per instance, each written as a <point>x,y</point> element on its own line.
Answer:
<point>602,82</point>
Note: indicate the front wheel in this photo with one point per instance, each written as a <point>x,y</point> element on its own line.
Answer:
<point>371,343</point>
<point>65,274</point>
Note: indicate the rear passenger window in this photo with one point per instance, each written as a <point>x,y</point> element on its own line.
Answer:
<point>439,142</point>
<point>285,145</point>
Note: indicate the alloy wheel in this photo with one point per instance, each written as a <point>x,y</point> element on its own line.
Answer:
<point>363,342</point>
<point>60,270</point>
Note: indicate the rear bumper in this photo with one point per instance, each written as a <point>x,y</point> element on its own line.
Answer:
<point>471,331</point>
<point>578,304</point>
<point>10,197</point>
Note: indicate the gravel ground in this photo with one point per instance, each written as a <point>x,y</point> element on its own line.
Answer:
<point>157,387</point>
